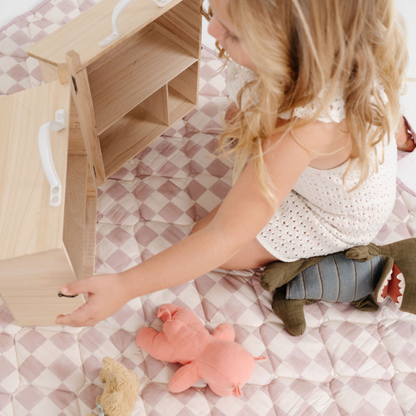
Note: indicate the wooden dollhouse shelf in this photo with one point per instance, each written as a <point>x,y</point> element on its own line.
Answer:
<point>136,130</point>
<point>133,75</point>
<point>178,105</point>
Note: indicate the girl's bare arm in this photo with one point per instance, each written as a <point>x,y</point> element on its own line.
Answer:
<point>242,215</point>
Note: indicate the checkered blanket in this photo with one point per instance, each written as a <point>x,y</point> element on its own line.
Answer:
<point>347,363</point>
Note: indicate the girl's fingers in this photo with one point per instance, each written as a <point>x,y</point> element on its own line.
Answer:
<point>77,287</point>
<point>80,317</point>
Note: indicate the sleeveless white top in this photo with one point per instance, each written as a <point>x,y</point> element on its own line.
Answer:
<point>318,216</point>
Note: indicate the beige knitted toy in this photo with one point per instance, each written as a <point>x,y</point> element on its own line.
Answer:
<point>120,391</point>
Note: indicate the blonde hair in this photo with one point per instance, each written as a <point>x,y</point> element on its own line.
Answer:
<point>299,47</point>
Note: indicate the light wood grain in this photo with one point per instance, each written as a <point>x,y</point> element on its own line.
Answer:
<point>76,139</point>
<point>89,236</point>
<point>27,223</point>
<point>187,83</point>
<point>182,25</point>
<point>157,104</point>
<point>75,211</point>
<point>29,285</point>
<point>81,94</point>
<point>84,33</point>
<point>133,75</point>
<point>132,133</point>
<point>179,105</point>
<point>49,72</point>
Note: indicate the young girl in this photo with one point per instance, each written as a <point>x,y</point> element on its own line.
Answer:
<point>313,139</point>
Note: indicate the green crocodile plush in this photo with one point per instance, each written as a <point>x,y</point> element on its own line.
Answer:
<point>361,275</point>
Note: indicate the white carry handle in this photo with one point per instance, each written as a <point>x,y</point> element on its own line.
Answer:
<point>46,156</point>
<point>121,5</point>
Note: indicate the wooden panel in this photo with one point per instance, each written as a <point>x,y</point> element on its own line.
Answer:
<point>89,237</point>
<point>75,211</point>
<point>187,83</point>
<point>157,104</point>
<point>27,222</point>
<point>179,105</point>
<point>49,72</point>
<point>29,286</point>
<point>134,75</point>
<point>84,33</point>
<point>76,140</point>
<point>134,132</point>
<point>128,43</point>
<point>81,94</point>
<point>182,25</point>
<point>130,135</point>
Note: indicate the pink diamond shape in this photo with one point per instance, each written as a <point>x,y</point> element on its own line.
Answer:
<point>89,395</point>
<point>195,190</point>
<point>153,394</point>
<point>118,236</point>
<point>6,317</point>
<point>165,148</point>
<point>31,368</point>
<point>354,357</point>
<point>170,212</point>
<point>119,261</point>
<point>63,341</point>
<point>17,73</point>
<point>169,190</point>
<point>123,315</point>
<point>92,339</point>
<point>5,368</point>
<point>191,148</point>
<point>29,397</point>
<point>117,214</point>
<point>167,169</point>
<point>146,212</point>
<point>122,340</point>
<point>218,168</point>
<point>173,234</point>
<point>92,367</point>
<point>153,367</point>
<point>145,235</point>
<point>220,189</point>
<point>6,342</point>
<point>62,399</point>
<point>32,340</point>
<point>298,360</point>
<point>142,191</point>
<point>63,367</point>
<point>117,191</point>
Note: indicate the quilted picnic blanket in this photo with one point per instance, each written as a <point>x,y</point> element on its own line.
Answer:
<point>347,363</point>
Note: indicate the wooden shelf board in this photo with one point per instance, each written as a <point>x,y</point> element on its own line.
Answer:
<point>131,77</point>
<point>133,133</point>
<point>84,33</point>
<point>179,106</point>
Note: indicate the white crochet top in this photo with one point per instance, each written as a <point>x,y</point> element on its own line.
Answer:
<point>318,217</point>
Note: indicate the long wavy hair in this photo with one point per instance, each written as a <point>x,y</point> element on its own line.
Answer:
<point>303,47</point>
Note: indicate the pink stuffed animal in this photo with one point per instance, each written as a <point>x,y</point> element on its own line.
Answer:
<point>224,365</point>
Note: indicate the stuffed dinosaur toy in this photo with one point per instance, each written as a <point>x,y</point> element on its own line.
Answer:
<point>361,275</point>
<point>223,364</point>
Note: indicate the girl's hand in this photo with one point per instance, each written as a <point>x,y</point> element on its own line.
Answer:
<point>107,293</point>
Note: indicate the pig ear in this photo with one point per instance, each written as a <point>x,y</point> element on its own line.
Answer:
<point>261,358</point>
<point>185,377</point>
<point>237,391</point>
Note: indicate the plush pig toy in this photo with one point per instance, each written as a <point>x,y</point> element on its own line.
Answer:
<point>223,364</point>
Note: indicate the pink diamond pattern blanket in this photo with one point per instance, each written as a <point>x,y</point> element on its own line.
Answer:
<point>347,363</point>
